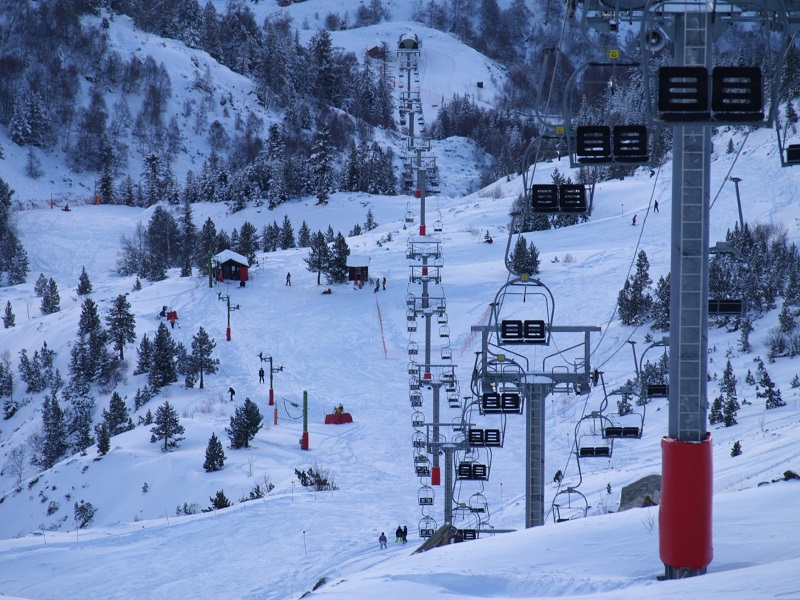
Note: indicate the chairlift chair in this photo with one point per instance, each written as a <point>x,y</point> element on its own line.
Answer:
<point>447,353</point>
<point>577,506</point>
<point>425,495</point>
<point>427,526</point>
<point>413,348</point>
<point>416,399</point>
<point>418,440</point>
<point>417,420</point>
<point>454,401</point>
<point>411,326</point>
<point>444,331</point>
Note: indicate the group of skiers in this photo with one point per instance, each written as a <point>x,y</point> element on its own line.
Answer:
<point>378,284</point>
<point>400,535</point>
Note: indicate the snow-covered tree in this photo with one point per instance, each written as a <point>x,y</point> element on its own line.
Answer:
<point>320,163</point>
<point>318,256</point>
<point>201,361</point>
<point>245,424</point>
<point>84,284</point>
<point>634,302</point>
<point>9,320</point>
<point>215,455</point>
<point>51,300</point>
<point>167,427</point>
<point>121,324</point>
<point>336,269</point>
<point>162,368</point>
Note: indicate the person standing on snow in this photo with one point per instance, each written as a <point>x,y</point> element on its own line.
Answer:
<point>261,375</point>
<point>405,534</point>
<point>384,283</point>
<point>382,539</point>
<point>398,535</point>
<point>377,285</point>
<point>232,392</point>
<point>288,279</point>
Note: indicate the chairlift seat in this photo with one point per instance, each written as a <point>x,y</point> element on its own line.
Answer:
<point>683,94</point>
<point>425,501</point>
<point>425,533</point>
<point>793,154</point>
<point>490,403</point>
<point>594,451</point>
<point>544,198</point>
<point>511,402</point>
<point>615,431</point>
<point>572,198</point>
<point>630,143</point>
<point>469,534</point>
<point>491,437</point>
<point>731,307</point>
<point>593,143</point>
<point>422,471</point>
<point>657,390</point>
<point>736,94</point>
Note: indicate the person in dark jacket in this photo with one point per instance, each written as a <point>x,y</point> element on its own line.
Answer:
<point>382,539</point>
<point>261,375</point>
<point>398,535</point>
<point>232,392</point>
<point>405,534</point>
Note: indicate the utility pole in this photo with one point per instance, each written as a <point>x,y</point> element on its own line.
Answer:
<point>227,298</point>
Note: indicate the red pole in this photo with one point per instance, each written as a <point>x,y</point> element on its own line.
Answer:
<point>684,515</point>
<point>275,416</point>
<point>271,397</point>
<point>436,476</point>
<point>228,334</point>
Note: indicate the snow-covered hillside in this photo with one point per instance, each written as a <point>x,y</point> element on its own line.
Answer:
<point>350,348</point>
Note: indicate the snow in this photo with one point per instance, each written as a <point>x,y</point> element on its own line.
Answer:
<point>350,348</point>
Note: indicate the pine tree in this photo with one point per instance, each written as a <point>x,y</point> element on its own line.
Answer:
<point>715,414</point>
<point>80,427</point>
<point>89,356</point>
<point>84,285</point>
<point>103,438</point>
<point>370,223</point>
<point>220,501</point>
<point>188,235</point>
<point>162,370</point>
<point>745,329</point>
<point>303,236</point>
<point>519,257</point>
<point>116,418</point>
<point>8,316</point>
<point>167,427</point>
<point>287,234</point>
<point>6,377</point>
<point>786,320</point>
<point>53,444</point>
<point>768,391</point>
<point>206,244</point>
<point>318,256</point>
<point>201,361</point>
<point>661,302</point>
<point>145,356</point>
<point>336,270</point>
<point>121,324</point>
<point>40,287</point>
<point>320,163</point>
<point>51,300</point>
<point>245,424</point>
<point>729,410</point>
<point>248,241</point>
<point>736,450</point>
<point>634,302</point>
<point>215,456</point>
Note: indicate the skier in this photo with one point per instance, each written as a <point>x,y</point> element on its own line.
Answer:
<point>384,283</point>
<point>328,291</point>
<point>377,285</point>
<point>398,535</point>
<point>232,392</point>
<point>382,539</point>
<point>405,534</point>
<point>634,220</point>
<point>288,279</point>
<point>261,375</point>
<point>655,206</point>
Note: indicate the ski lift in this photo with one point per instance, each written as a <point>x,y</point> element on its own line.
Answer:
<point>416,399</point>
<point>411,326</point>
<point>417,420</point>
<point>427,526</point>
<point>413,368</point>
<point>447,353</point>
<point>413,348</point>
<point>441,318</point>
<point>444,331</point>
<point>500,403</point>
<point>482,438</point>
<point>591,446</point>
<point>425,496</point>
<point>478,504</point>
<point>454,401</point>
<point>418,440</point>
<point>437,225</point>
<point>576,505</point>
<point>411,315</point>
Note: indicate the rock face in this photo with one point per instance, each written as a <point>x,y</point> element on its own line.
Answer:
<point>644,492</point>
